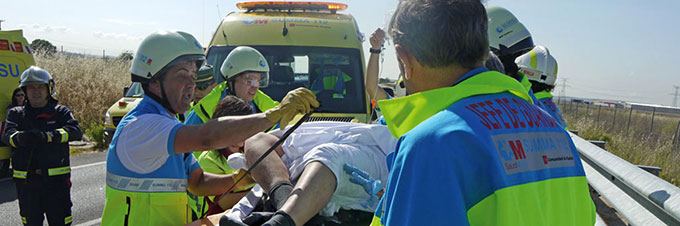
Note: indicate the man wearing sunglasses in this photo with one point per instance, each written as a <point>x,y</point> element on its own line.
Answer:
<point>205,82</point>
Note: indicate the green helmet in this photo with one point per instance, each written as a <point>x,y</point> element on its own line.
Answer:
<point>242,59</point>
<point>161,50</point>
<point>36,74</point>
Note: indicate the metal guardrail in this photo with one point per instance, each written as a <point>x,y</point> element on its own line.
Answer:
<point>640,197</point>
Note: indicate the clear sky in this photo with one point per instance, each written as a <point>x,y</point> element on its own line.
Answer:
<point>610,49</point>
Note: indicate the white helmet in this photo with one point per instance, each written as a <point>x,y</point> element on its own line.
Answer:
<point>163,49</point>
<point>242,59</point>
<point>400,88</point>
<point>506,34</point>
<point>538,65</point>
<point>36,74</point>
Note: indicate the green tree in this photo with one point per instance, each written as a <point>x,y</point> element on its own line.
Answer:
<point>126,55</point>
<point>43,46</point>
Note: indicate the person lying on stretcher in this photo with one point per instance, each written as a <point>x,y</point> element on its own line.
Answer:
<point>332,169</point>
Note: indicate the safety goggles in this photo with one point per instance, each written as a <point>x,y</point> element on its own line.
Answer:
<point>253,78</point>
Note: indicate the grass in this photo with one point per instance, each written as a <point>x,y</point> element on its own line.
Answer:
<point>88,86</point>
<point>640,143</point>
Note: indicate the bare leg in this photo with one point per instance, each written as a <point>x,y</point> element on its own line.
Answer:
<point>311,194</point>
<point>271,171</point>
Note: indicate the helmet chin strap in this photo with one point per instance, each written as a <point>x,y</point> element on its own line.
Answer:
<point>163,100</point>
<point>232,89</point>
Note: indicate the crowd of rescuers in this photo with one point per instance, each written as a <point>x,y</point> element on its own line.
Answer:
<point>494,151</point>
<point>493,154</point>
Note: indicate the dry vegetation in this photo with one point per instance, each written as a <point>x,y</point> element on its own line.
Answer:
<point>640,143</point>
<point>88,86</point>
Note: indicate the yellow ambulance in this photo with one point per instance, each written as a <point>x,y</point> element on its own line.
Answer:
<point>132,95</point>
<point>15,57</point>
<point>307,44</point>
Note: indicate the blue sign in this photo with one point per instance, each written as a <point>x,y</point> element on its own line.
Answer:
<point>14,72</point>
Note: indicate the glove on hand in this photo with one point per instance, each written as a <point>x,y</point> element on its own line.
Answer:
<point>297,101</point>
<point>370,185</point>
<point>40,136</point>
<point>30,138</point>
<point>245,183</point>
<point>21,139</point>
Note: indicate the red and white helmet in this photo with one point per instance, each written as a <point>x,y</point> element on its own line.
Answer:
<point>538,65</point>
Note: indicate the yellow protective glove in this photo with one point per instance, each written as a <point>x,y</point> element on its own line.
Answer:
<point>246,183</point>
<point>297,101</point>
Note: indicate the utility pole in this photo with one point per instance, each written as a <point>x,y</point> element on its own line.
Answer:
<point>675,96</point>
<point>1,20</point>
<point>563,90</point>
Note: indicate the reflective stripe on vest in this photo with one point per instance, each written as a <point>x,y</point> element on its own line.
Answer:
<point>64,135</point>
<point>59,171</point>
<point>11,139</point>
<point>145,184</point>
<point>20,174</point>
<point>51,172</point>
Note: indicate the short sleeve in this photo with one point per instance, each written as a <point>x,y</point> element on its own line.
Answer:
<point>146,141</point>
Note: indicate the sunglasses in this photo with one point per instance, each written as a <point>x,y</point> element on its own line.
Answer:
<point>19,95</point>
<point>203,87</point>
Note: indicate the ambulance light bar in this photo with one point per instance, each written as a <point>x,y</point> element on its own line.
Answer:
<point>304,6</point>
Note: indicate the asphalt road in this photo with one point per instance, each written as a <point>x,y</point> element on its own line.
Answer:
<point>88,173</point>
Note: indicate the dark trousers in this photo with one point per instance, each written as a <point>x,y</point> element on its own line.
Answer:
<point>39,195</point>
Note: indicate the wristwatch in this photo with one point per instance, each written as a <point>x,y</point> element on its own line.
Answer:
<point>376,51</point>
